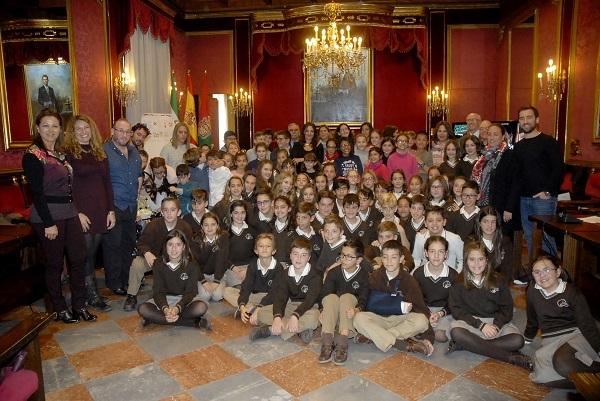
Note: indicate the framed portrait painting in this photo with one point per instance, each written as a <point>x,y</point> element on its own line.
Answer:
<point>49,86</point>
<point>331,98</point>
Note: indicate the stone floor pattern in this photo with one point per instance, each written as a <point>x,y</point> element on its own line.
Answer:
<point>115,359</point>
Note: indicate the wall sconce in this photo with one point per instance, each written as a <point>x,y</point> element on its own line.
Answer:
<point>124,89</point>
<point>554,86</point>
<point>242,103</point>
<point>437,103</point>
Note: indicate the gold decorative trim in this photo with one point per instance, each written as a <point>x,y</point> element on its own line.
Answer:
<point>35,30</point>
<point>72,59</point>
<point>33,23</point>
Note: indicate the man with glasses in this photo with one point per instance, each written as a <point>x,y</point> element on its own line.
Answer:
<point>125,167</point>
<point>283,142</point>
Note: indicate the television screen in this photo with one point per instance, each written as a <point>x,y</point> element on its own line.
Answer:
<point>459,129</point>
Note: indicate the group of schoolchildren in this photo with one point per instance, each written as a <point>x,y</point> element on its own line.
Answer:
<point>292,245</point>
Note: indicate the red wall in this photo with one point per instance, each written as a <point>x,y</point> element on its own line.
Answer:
<point>399,97</point>
<point>521,77</point>
<point>472,71</point>
<point>582,96</point>
<point>88,41</point>
<point>279,98</point>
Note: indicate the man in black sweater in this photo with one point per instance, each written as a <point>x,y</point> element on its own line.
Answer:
<point>295,295</point>
<point>539,170</point>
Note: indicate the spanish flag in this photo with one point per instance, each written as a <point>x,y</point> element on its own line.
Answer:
<point>190,111</point>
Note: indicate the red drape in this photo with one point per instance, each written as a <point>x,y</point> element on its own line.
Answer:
<point>144,17</point>
<point>284,43</point>
<point>22,53</point>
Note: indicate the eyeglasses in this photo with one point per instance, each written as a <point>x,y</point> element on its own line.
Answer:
<point>545,270</point>
<point>347,257</point>
<point>123,131</point>
<point>469,195</point>
<point>265,202</point>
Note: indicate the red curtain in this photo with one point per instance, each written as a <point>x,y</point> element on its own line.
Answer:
<point>21,53</point>
<point>142,16</point>
<point>292,42</point>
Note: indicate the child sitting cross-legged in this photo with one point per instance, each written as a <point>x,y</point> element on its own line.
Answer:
<point>256,290</point>
<point>345,286</point>
<point>175,290</point>
<point>295,295</point>
<point>395,311</point>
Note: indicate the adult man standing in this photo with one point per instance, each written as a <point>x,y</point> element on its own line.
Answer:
<point>46,97</point>
<point>483,131</point>
<point>126,175</point>
<point>539,169</point>
<point>283,142</point>
<point>294,130</point>
<point>140,133</point>
<point>473,122</point>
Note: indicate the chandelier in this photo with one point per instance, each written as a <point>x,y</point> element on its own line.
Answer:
<point>437,102</point>
<point>336,53</point>
<point>242,103</point>
<point>124,89</point>
<point>554,86</point>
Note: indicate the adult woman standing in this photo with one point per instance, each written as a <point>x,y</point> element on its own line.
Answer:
<point>92,194</point>
<point>54,216</point>
<point>442,133</point>
<point>173,151</point>
<point>309,143</point>
<point>494,174</point>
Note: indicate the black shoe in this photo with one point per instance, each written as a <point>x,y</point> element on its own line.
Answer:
<point>360,339</point>
<point>67,317</point>
<point>453,346</point>
<point>203,323</point>
<point>130,303</point>
<point>521,360</point>
<point>83,314</point>
<point>99,304</point>
<point>260,332</point>
<point>119,291</point>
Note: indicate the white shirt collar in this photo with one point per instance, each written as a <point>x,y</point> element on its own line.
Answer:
<point>319,218</point>
<point>238,230</point>
<point>352,226</point>
<point>489,244</point>
<point>292,272</point>
<point>443,273</point>
<point>173,265</point>
<point>339,242</point>
<point>469,215</point>
<point>441,202</point>
<point>417,225</point>
<point>349,275</point>
<point>279,226</point>
<point>304,234</point>
<point>211,241</point>
<point>562,286</point>
<point>263,269</point>
<point>263,217</point>
<point>363,216</point>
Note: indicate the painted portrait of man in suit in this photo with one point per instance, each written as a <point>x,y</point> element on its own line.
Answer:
<point>46,97</point>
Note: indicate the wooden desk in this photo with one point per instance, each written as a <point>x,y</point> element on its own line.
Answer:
<point>572,245</point>
<point>25,336</point>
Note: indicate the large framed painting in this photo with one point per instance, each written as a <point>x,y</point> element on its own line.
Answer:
<point>49,86</point>
<point>347,100</point>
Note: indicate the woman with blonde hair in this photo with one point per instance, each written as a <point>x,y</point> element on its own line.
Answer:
<point>92,195</point>
<point>173,151</point>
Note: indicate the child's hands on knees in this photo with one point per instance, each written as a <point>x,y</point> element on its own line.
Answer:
<point>489,330</point>
<point>254,317</point>
<point>171,314</point>
<point>277,326</point>
<point>292,324</point>
<point>435,317</point>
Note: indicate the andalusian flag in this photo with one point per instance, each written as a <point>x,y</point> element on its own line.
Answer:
<point>174,105</point>
<point>190,111</point>
<point>204,130</point>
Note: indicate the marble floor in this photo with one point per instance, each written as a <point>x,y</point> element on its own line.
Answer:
<point>115,359</point>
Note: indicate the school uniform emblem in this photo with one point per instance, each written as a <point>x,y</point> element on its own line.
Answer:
<point>562,303</point>
<point>304,288</point>
<point>316,248</point>
<point>371,223</point>
<point>290,233</point>
<point>269,282</point>
<point>184,276</point>
<point>355,285</point>
<point>446,284</point>
<point>249,236</point>
<point>494,290</point>
<point>361,233</point>
<point>215,248</point>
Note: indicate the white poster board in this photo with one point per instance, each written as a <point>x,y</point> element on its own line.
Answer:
<point>161,130</point>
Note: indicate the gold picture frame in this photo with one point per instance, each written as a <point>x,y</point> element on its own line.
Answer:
<point>350,103</point>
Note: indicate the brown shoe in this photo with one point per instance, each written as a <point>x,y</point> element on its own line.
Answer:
<point>521,360</point>
<point>326,348</point>
<point>419,346</point>
<point>341,349</point>
<point>360,339</point>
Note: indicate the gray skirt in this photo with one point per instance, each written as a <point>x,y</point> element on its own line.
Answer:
<point>508,328</point>
<point>444,323</point>
<point>544,369</point>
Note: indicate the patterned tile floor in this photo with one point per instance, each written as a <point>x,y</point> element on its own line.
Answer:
<point>115,359</point>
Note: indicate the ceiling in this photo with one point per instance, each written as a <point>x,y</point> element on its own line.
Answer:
<point>200,8</point>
